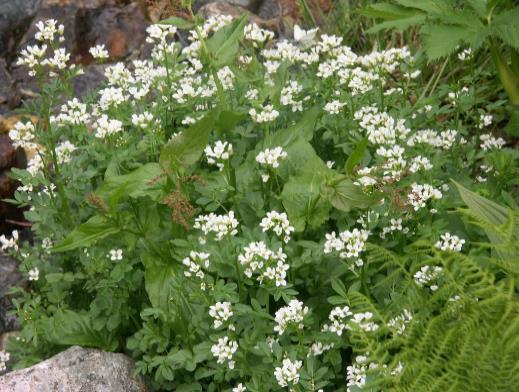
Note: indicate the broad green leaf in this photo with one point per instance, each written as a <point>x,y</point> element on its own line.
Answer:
<point>479,7</point>
<point>442,40</point>
<point>399,24</point>
<point>182,24</point>
<point>303,129</point>
<point>345,195</point>
<point>303,202</point>
<point>506,27</point>
<point>96,228</point>
<point>388,11</point>
<point>512,128</point>
<point>227,120</point>
<point>134,184</point>
<point>428,6</point>
<point>69,328</point>
<point>356,156</point>
<point>301,157</point>
<point>186,148</point>
<point>223,46</point>
<point>158,281</point>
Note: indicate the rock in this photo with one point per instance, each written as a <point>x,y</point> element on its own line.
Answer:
<point>270,9</point>
<point>9,156</point>
<point>15,18</point>
<point>9,277</point>
<point>76,370</point>
<point>251,5</point>
<point>89,81</point>
<point>8,92</point>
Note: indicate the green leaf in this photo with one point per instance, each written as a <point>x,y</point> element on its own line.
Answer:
<point>506,27</point>
<point>86,234</point>
<point>135,184</point>
<point>512,128</point>
<point>303,202</point>
<point>228,119</point>
<point>69,328</point>
<point>442,40</point>
<point>158,281</point>
<point>345,195</point>
<point>186,148</point>
<point>223,46</point>
<point>182,24</point>
<point>428,6</point>
<point>356,156</point>
<point>398,24</point>
<point>479,7</point>
<point>303,129</point>
<point>388,11</point>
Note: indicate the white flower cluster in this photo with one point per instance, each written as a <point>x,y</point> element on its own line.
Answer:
<point>4,357</point>
<point>22,135</point>
<point>278,223</point>
<point>239,388</point>
<point>489,142</point>
<point>9,243</point>
<point>220,225</point>
<point>334,107</point>
<point>485,120</point>
<point>99,52</point>
<point>319,348</point>
<point>195,262</point>
<point>427,276</point>
<point>400,322</point>
<point>48,30</point>
<point>64,151</point>
<point>343,318</point>
<point>159,33</point>
<point>357,373</point>
<point>395,224</point>
<point>380,127</point>
<point>420,163</point>
<point>115,254</point>
<point>34,274</point>
<point>218,154</point>
<point>268,265</point>
<point>107,127</point>
<point>72,113</point>
<point>451,242</point>
<point>266,114</point>
<point>290,315</point>
<point>32,57</point>
<point>224,351</point>
<point>288,373</point>
<point>257,35</point>
<point>420,194</point>
<point>349,244</point>
<point>220,312</point>
<point>271,157</point>
<point>143,120</point>
<point>288,93</point>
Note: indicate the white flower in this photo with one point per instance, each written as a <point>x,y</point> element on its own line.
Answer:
<point>306,37</point>
<point>288,374</point>
<point>334,107</point>
<point>218,154</point>
<point>271,157</point>
<point>144,120</point>
<point>64,151</point>
<point>252,94</point>
<point>99,52</point>
<point>427,276</point>
<point>34,274</point>
<point>257,35</point>
<point>107,127</point>
<point>278,223</point>
<point>23,135</point>
<point>400,322</point>
<point>195,262</point>
<point>290,315</point>
<point>488,142</point>
<point>349,244</point>
<point>224,351</point>
<point>221,225</point>
<point>258,259</point>
<point>158,33</point>
<point>220,312</point>
<point>239,388</point>
<point>72,113</point>
<point>11,243</point>
<point>48,29</point>
<point>420,194</point>
<point>319,348</point>
<point>267,114</point>
<point>4,357</point>
<point>450,242</point>
<point>115,254</point>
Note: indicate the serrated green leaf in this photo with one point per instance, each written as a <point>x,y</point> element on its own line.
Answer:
<point>506,27</point>
<point>442,40</point>
<point>96,228</point>
<point>182,24</point>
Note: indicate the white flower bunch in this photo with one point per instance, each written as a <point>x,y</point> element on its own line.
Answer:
<point>239,388</point>
<point>144,120</point>
<point>31,57</point>
<point>400,322</point>
<point>48,30</point>
<point>349,244</point>
<point>357,373</point>
<point>268,265</point>
<point>22,135</point>
<point>334,107</point>
<point>195,262</point>
<point>339,320</point>
<point>319,348</point>
<point>218,154</point>
<point>271,157</point>
<point>291,315</point>
<point>450,242</point>
<point>73,112</point>
<point>485,120</point>
<point>99,52</point>
<point>266,114</point>
<point>278,223</point>
<point>4,357</point>
<point>59,61</point>
<point>115,254</point>
<point>226,78</point>
<point>106,127</point>
<point>288,94</point>
<point>220,312</point>
<point>34,274</point>
<point>420,163</point>
<point>363,321</point>
<point>489,142</point>
<point>288,373</point>
<point>427,276</point>
<point>224,351</point>
<point>64,151</point>
<point>159,33</point>
<point>35,165</point>
<point>220,225</point>
<point>420,194</point>
<point>9,243</point>
<point>257,35</point>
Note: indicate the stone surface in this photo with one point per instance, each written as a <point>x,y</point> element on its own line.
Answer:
<point>251,5</point>
<point>15,17</point>
<point>8,154</point>
<point>9,277</point>
<point>8,91</point>
<point>76,370</point>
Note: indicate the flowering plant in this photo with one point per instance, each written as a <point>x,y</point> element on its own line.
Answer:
<point>248,214</point>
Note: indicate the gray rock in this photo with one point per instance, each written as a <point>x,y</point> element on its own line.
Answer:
<point>76,370</point>
<point>8,92</point>
<point>9,277</point>
<point>251,5</point>
<point>269,9</point>
<point>15,18</point>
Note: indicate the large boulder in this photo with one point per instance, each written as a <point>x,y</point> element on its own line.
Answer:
<point>9,277</point>
<point>76,369</point>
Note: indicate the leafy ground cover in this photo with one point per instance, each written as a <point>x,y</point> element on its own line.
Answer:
<point>245,213</point>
